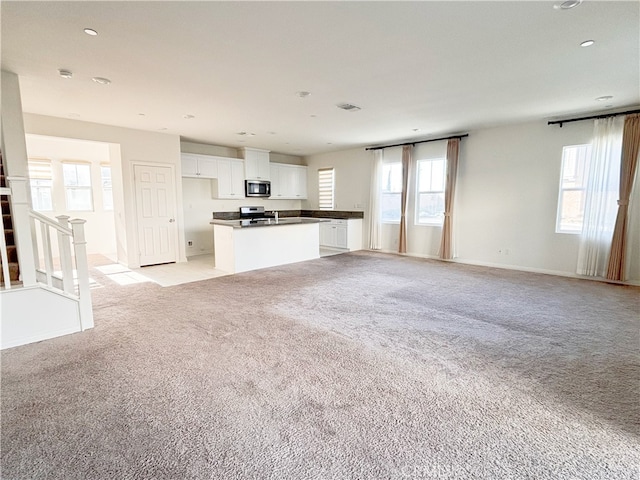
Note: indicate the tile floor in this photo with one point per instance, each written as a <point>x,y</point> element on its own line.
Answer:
<point>195,269</point>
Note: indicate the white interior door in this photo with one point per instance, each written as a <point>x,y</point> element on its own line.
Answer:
<point>156,207</point>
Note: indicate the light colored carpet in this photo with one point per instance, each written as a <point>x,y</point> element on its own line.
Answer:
<point>354,366</point>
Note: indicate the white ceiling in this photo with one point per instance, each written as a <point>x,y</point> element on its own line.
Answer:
<point>440,67</point>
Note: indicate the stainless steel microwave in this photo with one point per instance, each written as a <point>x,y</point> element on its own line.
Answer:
<point>257,188</point>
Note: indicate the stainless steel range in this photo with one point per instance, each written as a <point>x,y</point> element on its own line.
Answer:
<point>256,215</point>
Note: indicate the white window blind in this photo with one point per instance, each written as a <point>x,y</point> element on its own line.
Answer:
<point>41,183</point>
<point>325,188</point>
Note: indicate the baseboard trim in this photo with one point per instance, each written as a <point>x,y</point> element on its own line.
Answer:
<point>557,273</point>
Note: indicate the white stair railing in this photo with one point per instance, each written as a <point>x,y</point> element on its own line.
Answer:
<point>34,235</point>
<point>6,280</point>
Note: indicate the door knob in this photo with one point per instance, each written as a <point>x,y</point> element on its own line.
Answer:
<point>171,220</point>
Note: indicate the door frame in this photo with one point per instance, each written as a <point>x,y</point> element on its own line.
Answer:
<point>178,243</point>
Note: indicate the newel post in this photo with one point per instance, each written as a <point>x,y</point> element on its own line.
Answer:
<point>64,246</point>
<point>82,268</point>
<point>22,229</point>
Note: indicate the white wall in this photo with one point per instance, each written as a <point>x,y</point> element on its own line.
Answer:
<point>199,204</point>
<point>134,146</point>
<point>100,227</point>
<point>506,197</point>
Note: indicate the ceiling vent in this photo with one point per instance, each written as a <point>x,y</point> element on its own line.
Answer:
<point>348,107</point>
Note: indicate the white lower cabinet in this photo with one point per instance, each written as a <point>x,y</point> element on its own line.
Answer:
<point>343,234</point>
<point>230,181</point>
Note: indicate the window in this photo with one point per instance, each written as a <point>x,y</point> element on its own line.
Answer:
<point>325,189</point>
<point>107,192</point>
<point>391,192</point>
<point>77,184</point>
<point>573,182</point>
<point>430,192</point>
<point>41,182</point>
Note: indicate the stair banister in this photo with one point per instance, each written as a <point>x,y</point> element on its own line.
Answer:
<point>82,267</point>
<point>65,255</point>
<point>4,191</point>
<point>22,229</point>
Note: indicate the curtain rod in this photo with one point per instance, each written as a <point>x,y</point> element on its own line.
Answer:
<point>604,115</point>
<point>418,141</point>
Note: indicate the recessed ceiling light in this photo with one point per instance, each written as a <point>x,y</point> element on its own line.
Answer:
<point>271,133</point>
<point>141,114</point>
<point>604,98</point>
<point>313,116</point>
<point>188,117</point>
<point>303,94</point>
<point>567,4</point>
<point>587,43</point>
<point>416,129</point>
<point>101,80</point>
<point>90,31</point>
<point>65,73</point>
<point>348,107</point>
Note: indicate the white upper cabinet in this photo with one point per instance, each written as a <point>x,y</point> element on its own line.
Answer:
<point>256,164</point>
<point>288,181</point>
<point>230,181</point>
<point>199,166</point>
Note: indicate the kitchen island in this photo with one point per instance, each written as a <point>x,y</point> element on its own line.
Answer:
<point>244,245</point>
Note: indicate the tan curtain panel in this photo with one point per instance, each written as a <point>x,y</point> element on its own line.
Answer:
<point>407,152</point>
<point>628,165</point>
<point>446,244</point>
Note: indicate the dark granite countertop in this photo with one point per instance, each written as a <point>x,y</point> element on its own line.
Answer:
<point>339,214</point>
<point>272,222</point>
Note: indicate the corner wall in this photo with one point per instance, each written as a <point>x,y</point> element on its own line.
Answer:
<point>506,198</point>
<point>135,146</point>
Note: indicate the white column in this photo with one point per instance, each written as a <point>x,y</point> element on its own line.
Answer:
<point>82,268</point>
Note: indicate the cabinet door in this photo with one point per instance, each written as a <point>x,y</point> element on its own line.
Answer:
<point>189,165</point>
<point>263,167</point>
<point>276,185</point>
<point>256,164</point>
<point>236,179</point>
<point>341,236</point>
<point>223,189</point>
<point>326,234</point>
<point>207,168</point>
<point>300,182</point>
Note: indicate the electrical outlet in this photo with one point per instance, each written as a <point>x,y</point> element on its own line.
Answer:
<point>190,243</point>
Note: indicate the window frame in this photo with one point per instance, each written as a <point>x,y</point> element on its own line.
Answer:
<point>434,223</point>
<point>43,173</point>
<point>584,157</point>
<point>390,193</point>
<point>108,188</point>
<point>73,188</point>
